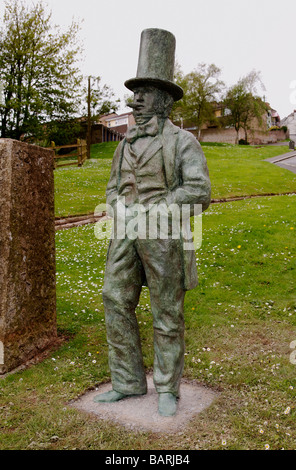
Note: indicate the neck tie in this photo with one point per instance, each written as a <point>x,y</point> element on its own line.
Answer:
<point>150,128</point>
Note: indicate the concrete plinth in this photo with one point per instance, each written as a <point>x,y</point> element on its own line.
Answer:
<point>27,253</point>
<point>141,413</point>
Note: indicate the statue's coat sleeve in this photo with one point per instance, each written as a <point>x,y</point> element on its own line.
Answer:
<point>191,183</point>
<point>112,186</point>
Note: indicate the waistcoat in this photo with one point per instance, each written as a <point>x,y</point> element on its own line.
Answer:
<point>143,178</point>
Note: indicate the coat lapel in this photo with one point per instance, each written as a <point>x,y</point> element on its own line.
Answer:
<point>169,138</point>
<point>151,149</point>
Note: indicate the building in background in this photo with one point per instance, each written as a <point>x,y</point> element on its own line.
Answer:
<point>216,130</point>
<point>108,128</point>
<point>290,123</point>
<point>273,118</point>
<point>118,123</point>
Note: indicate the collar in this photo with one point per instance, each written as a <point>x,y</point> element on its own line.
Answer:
<point>150,128</point>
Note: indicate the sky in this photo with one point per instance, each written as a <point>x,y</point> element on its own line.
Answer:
<point>236,35</point>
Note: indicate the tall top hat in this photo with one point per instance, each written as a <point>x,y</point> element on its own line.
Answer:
<point>156,63</point>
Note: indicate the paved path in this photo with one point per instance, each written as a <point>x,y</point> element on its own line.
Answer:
<point>287,161</point>
<point>289,164</point>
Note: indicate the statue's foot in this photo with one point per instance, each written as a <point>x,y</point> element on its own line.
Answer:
<point>167,404</point>
<point>112,397</point>
<point>109,397</point>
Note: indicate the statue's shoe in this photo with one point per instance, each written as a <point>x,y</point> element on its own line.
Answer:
<point>167,404</point>
<point>111,397</point>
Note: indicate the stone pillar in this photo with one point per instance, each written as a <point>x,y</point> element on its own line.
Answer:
<point>27,253</point>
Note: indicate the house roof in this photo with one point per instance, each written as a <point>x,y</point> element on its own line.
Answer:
<point>287,117</point>
<point>117,116</point>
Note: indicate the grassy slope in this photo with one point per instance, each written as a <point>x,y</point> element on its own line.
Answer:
<point>241,171</point>
<point>240,322</point>
<point>234,171</point>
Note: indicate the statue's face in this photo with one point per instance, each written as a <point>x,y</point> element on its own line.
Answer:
<point>146,101</point>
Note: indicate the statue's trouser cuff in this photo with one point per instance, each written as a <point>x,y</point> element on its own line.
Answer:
<point>129,263</point>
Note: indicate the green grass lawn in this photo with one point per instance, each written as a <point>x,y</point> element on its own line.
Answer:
<point>80,190</point>
<point>234,171</point>
<point>104,150</point>
<point>242,171</point>
<point>240,322</point>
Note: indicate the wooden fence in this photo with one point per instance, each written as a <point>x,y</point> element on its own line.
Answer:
<point>80,155</point>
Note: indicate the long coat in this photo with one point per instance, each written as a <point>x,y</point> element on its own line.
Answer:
<point>187,178</point>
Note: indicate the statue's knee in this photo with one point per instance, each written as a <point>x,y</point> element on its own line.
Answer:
<point>108,293</point>
<point>112,295</point>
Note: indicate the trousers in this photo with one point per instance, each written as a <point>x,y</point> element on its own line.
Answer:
<point>159,262</point>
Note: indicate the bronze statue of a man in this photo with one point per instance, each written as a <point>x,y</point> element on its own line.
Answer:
<point>157,163</point>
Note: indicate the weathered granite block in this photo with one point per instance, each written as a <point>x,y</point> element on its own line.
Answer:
<point>27,253</point>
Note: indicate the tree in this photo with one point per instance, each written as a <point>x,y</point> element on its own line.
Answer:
<point>38,69</point>
<point>99,102</point>
<point>100,97</point>
<point>201,89</point>
<point>244,104</point>
<point>62,132</point>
